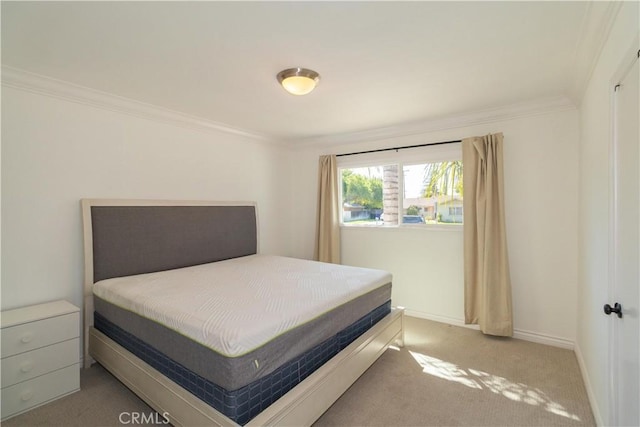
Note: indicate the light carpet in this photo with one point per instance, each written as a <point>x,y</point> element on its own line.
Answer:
<point>444,376</point>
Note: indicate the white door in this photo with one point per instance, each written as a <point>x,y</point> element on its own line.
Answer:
<point>626,250</point>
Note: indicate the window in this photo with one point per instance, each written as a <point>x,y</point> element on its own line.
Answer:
<point>370,195</point>
<point>434,192</point>
<point>427,192</point>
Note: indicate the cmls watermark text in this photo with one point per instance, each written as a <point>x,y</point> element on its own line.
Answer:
<point>143,418</point>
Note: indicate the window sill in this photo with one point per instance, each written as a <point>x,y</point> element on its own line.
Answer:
<point>406,227</point>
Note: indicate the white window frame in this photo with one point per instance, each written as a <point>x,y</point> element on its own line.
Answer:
<point>401,158</point>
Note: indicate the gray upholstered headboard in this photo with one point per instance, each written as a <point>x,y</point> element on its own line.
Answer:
<point>127,237</point>
<point>130,240</point>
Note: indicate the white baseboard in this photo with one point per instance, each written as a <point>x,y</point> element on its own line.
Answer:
<point>595,409</point>
<point>517,333</point>
<point>437,318</point>
<point>544,339</point>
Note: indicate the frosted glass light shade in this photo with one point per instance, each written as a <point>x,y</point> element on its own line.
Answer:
<point>298,81</point>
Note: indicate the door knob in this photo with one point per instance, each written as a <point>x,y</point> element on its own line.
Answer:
<point>617,308</point>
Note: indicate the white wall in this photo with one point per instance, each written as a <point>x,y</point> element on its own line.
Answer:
<point>541,173</point>
<point>56,152</point>
<point>594,192</point>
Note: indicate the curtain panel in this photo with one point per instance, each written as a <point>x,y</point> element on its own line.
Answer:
<point>327,247</point>
<point>487,281</point>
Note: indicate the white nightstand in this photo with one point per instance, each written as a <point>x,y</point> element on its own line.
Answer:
<point>40,355</point>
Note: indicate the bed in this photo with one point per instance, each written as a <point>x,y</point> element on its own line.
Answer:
<point>218,349</point>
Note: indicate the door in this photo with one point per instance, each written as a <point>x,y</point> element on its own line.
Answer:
<point>626,249</point>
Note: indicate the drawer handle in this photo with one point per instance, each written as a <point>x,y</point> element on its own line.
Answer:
<point>27,338</point>
<point>26,366</point>
<point>27,395</point>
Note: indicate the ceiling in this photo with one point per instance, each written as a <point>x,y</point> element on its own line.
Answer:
<point>381,63</point>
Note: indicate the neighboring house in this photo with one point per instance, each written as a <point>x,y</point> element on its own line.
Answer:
<point>450,210</point>
<point>354,212</point>
<point>426,205</point>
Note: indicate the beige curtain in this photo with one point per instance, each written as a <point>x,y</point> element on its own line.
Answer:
<point>328,218</point>
<point>486,266</point>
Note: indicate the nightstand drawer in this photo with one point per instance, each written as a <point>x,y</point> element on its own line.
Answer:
<point>28,394</point>
<point>31,364</point>
<point>28,336</point>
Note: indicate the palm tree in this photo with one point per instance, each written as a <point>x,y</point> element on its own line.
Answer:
<point>443,179</point>
<point>390,192</point>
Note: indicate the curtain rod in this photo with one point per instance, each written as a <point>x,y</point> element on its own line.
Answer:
<point>399,148</point>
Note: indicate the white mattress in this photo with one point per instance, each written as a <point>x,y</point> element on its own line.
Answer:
<point>238,305</point>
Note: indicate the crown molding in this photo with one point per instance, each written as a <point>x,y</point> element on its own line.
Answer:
<point>531,108</point>
<point>23,80</point>
<point>35,83</point>
<point>596,25</point>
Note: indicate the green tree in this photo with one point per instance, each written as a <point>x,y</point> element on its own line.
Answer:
<point>361,190</point>
<point>376,193</point>
<point>413,210</point>
<point>443,179</point>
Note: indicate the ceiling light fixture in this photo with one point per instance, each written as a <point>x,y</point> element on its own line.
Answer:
<point>298,81</point>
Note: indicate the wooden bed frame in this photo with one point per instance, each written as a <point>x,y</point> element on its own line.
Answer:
<point>301,406</point>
